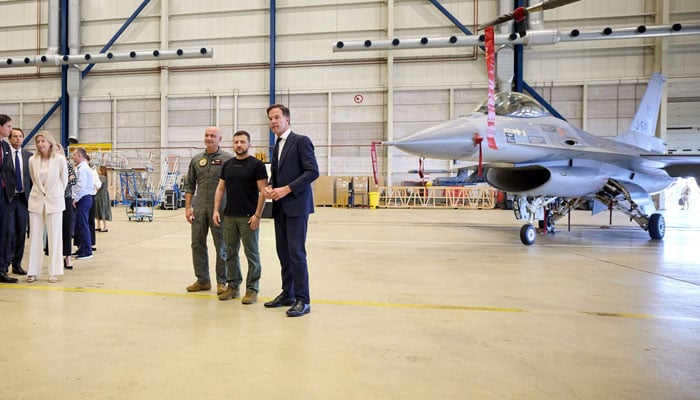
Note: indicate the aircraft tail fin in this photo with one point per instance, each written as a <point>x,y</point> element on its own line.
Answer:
<point>642,130</point>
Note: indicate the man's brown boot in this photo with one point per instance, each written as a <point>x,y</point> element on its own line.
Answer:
<point>198,287</point>
<point>251,297</point>
<point>231,292</point>
<point>220,287</point>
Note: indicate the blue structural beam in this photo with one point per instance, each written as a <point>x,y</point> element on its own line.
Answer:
<point>542,101</point>
<point>63,45</point>
<point>64,69</point>
<point>451,17</point>
<point>273,66</point>
<point>519,85</point>
<point>43,121</point>
<point>119,32</point>
<point>518,57</point>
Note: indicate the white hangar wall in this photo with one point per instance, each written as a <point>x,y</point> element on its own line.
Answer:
<point>166,105</point>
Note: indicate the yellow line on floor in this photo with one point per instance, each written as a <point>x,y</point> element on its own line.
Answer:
<point>113,291</point>
<point>416,306</point>
<point>621,315</point>
<point>381,304</point>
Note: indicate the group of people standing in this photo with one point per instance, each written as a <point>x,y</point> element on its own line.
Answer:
<point>44,194</point>
<point>224,193</point>
<point>236,185</point>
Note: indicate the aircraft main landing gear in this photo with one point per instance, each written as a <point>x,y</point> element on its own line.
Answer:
<point>657,226</point>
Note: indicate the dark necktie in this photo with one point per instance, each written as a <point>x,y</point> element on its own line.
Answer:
<point>18,173</point>
<point>275,156</point>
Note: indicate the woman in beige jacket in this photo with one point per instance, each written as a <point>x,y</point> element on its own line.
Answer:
<point>49,173</point>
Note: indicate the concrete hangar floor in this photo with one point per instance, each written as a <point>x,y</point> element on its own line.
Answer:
<point>432,304</point>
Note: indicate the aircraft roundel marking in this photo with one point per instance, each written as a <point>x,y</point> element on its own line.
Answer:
<point>359,99</point>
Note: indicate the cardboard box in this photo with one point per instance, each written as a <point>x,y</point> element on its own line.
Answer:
<point>323,190</point>
<point>341,188</point>
<point>360,189</point>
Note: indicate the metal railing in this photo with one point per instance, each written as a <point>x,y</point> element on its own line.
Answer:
<point>468,197</point>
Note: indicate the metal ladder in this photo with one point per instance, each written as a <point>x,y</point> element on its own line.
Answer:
<point>168,176</point>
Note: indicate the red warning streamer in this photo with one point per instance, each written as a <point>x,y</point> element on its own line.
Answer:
<point>373,153</point>
<point>490,68</point>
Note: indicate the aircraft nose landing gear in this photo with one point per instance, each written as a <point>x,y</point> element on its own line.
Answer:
<point>536,209</point>
<point>528,234</point>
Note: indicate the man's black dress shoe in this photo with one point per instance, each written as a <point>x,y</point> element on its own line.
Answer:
<point>298,309</point>
<point>280,301</point>
<point>19,270</point>
<point>6,279</point>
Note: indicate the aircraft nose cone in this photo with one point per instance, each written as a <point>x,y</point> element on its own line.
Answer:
<point>450,140</point>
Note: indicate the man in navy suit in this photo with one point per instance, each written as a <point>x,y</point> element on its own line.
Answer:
<point>7,188</point>
<point>18,213</point>
<point>294,167</point>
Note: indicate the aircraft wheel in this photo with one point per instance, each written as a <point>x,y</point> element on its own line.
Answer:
<point>527,234</point>
<point>657,226</point>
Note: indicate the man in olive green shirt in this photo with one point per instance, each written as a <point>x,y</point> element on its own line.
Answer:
<point>200,186</point>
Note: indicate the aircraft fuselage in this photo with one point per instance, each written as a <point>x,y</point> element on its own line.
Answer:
<point>538,156</point>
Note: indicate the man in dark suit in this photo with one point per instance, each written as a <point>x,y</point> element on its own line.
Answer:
<point>7,185</point>
<point>294,167</point>
<point>18,214</point>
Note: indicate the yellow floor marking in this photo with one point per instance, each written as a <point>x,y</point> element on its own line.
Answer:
<point>383,304</point>
<point>621,315</point>
<point>113,291</point>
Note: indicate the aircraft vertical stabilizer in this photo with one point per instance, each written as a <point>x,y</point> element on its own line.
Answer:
<point>642,130</point>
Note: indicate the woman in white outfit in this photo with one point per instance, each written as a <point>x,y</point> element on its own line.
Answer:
<point>49,172</point>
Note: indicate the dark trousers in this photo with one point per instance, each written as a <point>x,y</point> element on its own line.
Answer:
<point>82,226</point>
<point>68,222</point>
<point>4,240</point>
<point>91,221</point>
<point>290,238</point>
<point>18,218</point>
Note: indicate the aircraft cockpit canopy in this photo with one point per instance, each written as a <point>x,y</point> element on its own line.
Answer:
<point>514,104</point>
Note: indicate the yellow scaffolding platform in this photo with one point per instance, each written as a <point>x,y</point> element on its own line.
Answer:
<point>467,197</point>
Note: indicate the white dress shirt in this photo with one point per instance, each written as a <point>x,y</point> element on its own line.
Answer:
<point>283,140</point>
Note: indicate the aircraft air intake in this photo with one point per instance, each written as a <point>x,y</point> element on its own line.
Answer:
<point>561,181</point>
<point>517,180</point>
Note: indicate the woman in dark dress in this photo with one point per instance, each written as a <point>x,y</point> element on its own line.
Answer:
<point>68,214</point>
<point>103,207</point>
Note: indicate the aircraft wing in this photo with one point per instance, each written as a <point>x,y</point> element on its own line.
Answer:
<point>678,166</point>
